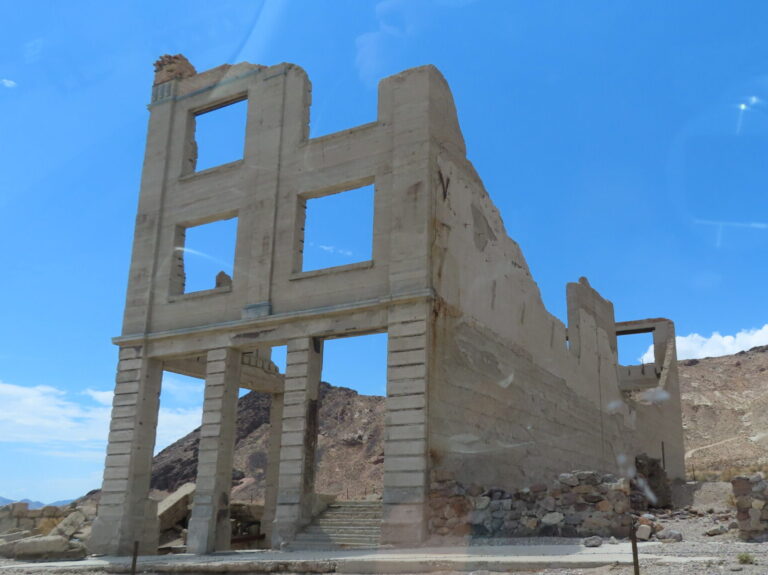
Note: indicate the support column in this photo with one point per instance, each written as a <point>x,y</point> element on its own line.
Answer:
<point>209,526</point>
<point>126,514</point>
<point>273,464</point>
<point>406,474</point>
<point>296,477</point>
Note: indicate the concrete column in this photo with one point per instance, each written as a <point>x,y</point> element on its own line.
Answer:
<point>273,464</point>
<point>209,526</point>
<point>406,473</point>
<point>126,513</point>
<point>296,476</point>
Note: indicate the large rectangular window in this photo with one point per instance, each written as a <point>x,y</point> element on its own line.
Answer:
<point>337,229</point>
<point>219,136</point>
<point>204,257</point>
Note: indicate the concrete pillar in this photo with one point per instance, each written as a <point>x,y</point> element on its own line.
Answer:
<point>406,473</point>
<point>296,476</point>
<point>209,526</point>
<point>273,464</point>
<point>126,513</point>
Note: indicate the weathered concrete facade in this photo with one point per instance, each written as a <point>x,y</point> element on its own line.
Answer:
<point>482,380</point>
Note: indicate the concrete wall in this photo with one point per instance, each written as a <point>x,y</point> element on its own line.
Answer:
<point>516,395</point>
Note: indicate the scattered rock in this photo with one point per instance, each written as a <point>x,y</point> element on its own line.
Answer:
<point>718,530</point>
<point>669,535</point>
<point>644,532</point>
<point>69,526</point>
<point>594,541</point>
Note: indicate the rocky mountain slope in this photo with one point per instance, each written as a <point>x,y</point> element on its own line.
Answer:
<point>349,457</point>
<point>725,412</point>
<point>725,416</point>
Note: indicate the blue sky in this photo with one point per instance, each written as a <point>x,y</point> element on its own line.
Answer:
<point>623,141</point>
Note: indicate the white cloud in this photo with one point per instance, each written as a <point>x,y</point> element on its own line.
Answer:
<point>694,346</point>
<point>44,416</point>
<point>174,424</point>
<point>182,390</point>
<point>334,250</point>
<point>375,49</point>
<point>102,397</point>
<point>6,83</point>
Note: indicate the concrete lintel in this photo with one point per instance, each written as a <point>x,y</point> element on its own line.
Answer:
<point>278,319</point>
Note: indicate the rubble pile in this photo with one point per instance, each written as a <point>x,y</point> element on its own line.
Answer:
<point>44,534</point>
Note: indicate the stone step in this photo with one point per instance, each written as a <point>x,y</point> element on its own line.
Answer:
<point>323,529</point>
<point>329,546</point>
<point>337,540</point>
<point>349,524</point>
<point>328,524</point>
<point>330,521</point>
<point>353,513</point>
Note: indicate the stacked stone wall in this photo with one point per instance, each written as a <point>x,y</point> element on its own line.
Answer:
<point>577,504</point>
<point>751,498</point>
<point>18,516</point>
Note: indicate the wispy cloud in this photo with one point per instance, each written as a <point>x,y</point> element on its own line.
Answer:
<point>695,346</point>
<point>720,227</point>
<point>47,417</point>
<point>6,83</point>
<point>102,397</point>
<point>33,50</point>
<point>203,255</point>
<point>332,249</point>
<point>183,390</point>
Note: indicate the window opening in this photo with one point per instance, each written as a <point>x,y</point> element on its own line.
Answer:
<point>635,348</point>
<point>338,229</point>
<point>205,256</point>
<point>219,136</point>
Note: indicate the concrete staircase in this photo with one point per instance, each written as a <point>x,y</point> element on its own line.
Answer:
<point>343,525</point>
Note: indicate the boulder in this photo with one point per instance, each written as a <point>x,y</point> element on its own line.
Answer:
<point>594,541</point>
<point>69,525</point>
<point>7,549</point>
<point>14,536</point>
<point>644,532</point>
<point>718,530</point>
<point>669,535</point>
<point>48,547</point>
<point>174,508</point>
<point>41,546</point>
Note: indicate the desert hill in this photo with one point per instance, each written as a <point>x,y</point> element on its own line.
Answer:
<point>725,418</point>
<point>350,445</point>
<point>725,412</point>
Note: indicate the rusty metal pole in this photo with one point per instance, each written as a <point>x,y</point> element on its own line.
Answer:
<point>633,539</point>
<point>135,556</point>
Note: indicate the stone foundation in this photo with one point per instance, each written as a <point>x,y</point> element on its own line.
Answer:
<point>577,504</point>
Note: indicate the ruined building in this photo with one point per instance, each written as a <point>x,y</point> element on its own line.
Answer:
<point>483,384</point>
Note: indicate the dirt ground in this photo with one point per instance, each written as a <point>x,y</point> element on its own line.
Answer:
<point>725,551</point>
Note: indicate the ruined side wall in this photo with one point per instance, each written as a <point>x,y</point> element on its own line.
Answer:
<point>496,418</point>
<point>511,400</point>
